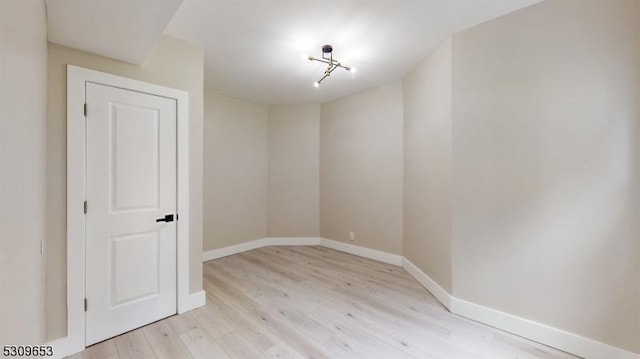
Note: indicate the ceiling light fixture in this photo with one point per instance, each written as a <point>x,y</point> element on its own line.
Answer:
<point>327,58</point>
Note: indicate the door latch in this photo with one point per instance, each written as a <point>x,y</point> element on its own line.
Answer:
<point>167,218</point>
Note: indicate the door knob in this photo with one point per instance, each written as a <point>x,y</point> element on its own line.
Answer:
<point>167,218</point>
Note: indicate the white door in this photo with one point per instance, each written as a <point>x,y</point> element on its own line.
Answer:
<point>131,184</point>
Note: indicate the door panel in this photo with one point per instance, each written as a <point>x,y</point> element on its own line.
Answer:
<point>134,267</point>
<point>131,182</point>
<point>134,177</point>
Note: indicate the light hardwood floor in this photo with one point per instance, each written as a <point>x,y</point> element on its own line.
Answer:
<point>314,302</point>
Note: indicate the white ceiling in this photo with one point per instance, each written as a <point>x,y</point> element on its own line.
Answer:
<point>124,30</point>
<point>253,47</point>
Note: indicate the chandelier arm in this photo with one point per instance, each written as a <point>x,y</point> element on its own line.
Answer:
<point>323,77</point>
<point>333,68</point>
<point>320,60</point>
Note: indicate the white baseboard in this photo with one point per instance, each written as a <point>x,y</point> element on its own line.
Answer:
<point>259,243</point>
<point>363,252</point>
<point>303,241</point>
<point>197,300</point>
<point>231,250</point>
<point>544,334</point>
<point>429,284</point>
<point>63,347</point>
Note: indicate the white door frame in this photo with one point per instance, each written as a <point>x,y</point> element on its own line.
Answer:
<point>77,77</point>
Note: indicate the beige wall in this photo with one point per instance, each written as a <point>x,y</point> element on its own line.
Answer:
<point>545,167</point>
<point>361,168</point>
<point>427,165</point>
<point>294,165</point>
<point>173,63</point>
<point>235,171</point>
<point>23,78</point>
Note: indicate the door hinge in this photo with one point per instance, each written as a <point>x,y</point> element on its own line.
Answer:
<point>85,304</point>
<point>85,207</point>
<point>85,110</point>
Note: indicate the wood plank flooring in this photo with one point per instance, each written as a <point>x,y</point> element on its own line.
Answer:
<point>314,302</point>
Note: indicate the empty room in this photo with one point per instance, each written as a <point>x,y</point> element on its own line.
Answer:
<point>358,179</point>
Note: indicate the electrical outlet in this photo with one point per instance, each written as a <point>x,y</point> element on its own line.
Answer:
<point>352,236</point>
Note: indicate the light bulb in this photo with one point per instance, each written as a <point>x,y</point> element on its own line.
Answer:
<point>316,84</point>
<point>352,69</point>
<point>307,57</point>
